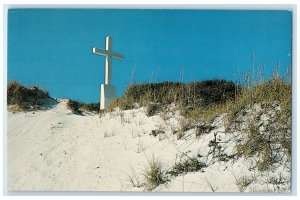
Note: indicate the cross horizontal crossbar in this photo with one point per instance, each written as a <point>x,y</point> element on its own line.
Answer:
<point>104,52</point>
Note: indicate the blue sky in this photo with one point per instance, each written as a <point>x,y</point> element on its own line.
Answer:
<point>52,48</point>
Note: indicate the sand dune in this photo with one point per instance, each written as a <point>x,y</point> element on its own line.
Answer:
<point>56,150</point>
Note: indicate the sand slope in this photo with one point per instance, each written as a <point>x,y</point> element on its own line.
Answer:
<point>56,150</point>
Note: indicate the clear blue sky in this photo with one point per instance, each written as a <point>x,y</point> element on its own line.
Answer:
<point>52,48</point>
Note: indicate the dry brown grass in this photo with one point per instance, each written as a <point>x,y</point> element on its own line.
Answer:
<point>23,98</point>
<point>154,174</point>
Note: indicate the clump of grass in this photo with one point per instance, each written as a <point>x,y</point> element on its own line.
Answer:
<point>78,107</point>
<point>191,164</point>
<point>243,182</point>
<point>134,179</point>
<point>203,129</point>
<point>157,132</point>
<point>74,106</point>
<point>91,107</point>
<point>123,103</point>
<point>185,125</point>
<point>154,175</point>
<point>25,98</point>
<point>152,109</point>
<point>279,180</point>
<point>255,142</point>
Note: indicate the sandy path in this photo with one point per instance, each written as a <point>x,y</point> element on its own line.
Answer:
<point>57,150</point>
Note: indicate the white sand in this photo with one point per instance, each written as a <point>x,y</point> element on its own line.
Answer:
<point>55,150</point>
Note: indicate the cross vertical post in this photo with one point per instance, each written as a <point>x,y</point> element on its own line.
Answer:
<point>107,93</point>
<point>107,72</point>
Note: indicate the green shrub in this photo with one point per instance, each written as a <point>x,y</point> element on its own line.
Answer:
<point>188,165</point>
<point>213,92</point>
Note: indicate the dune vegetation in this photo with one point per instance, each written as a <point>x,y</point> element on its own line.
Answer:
<point>245,128</point>
<point>24,98</point>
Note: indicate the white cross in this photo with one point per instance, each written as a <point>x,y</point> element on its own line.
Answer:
<point>107,52</point>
